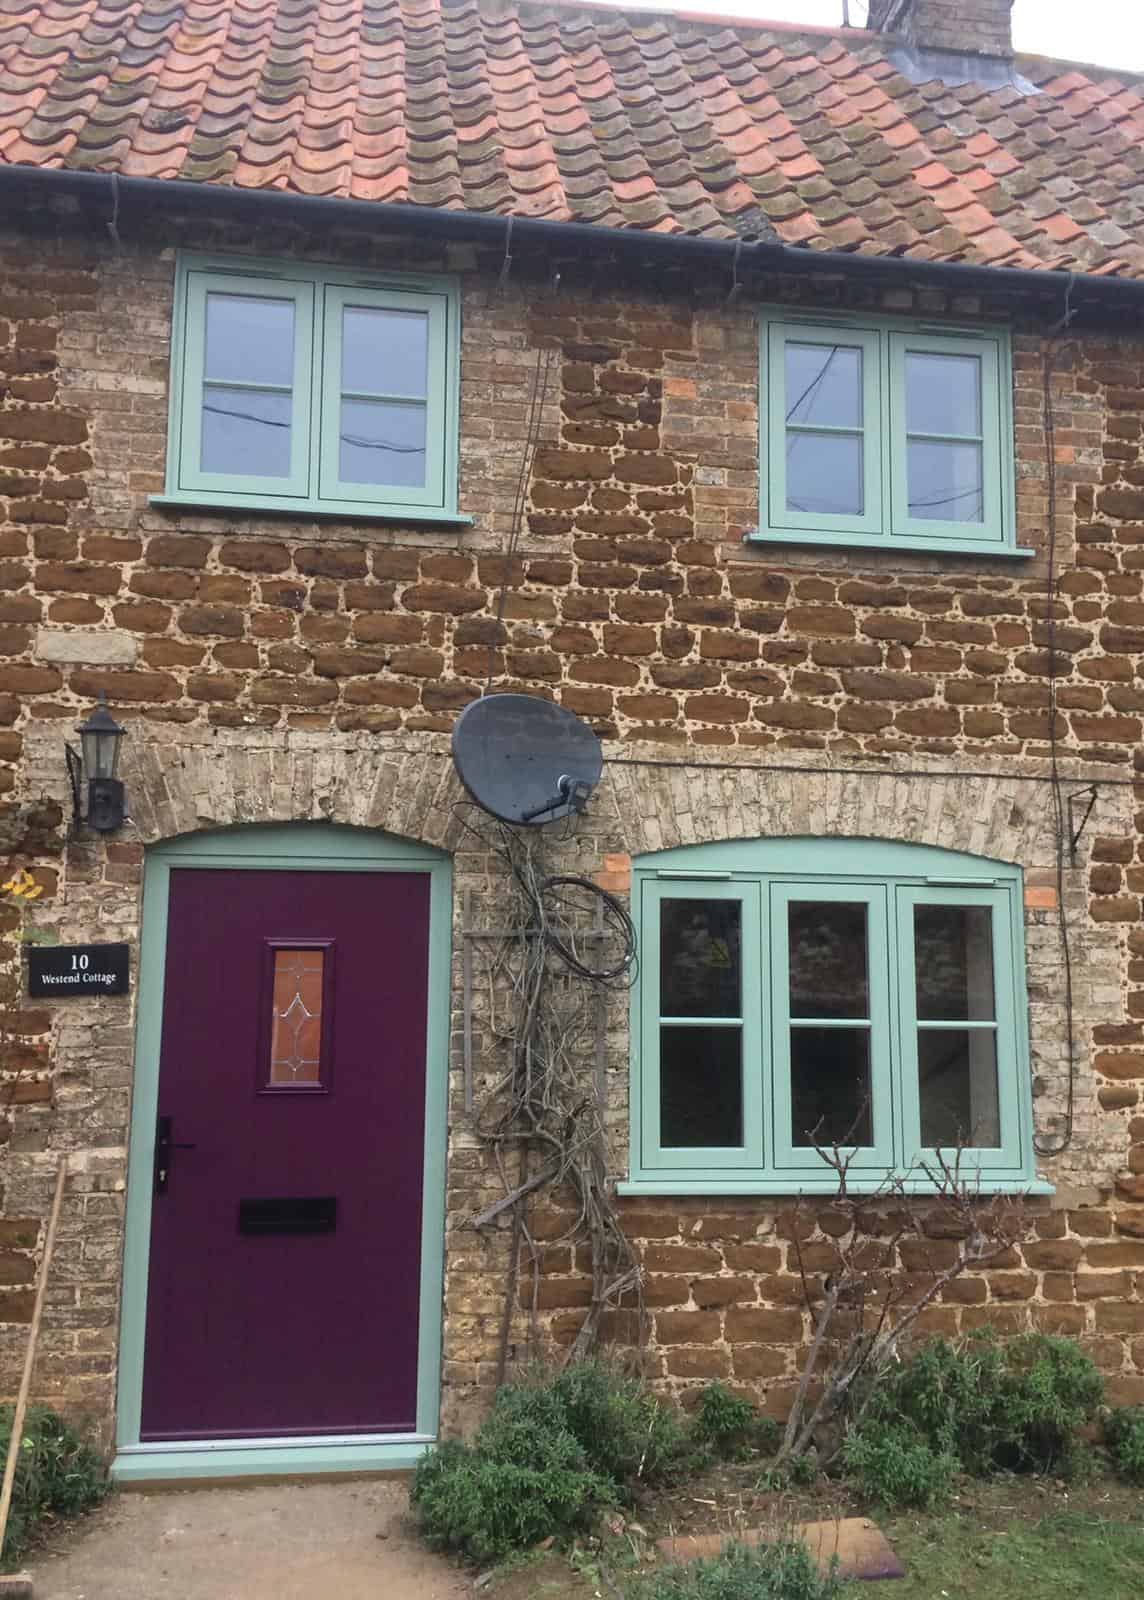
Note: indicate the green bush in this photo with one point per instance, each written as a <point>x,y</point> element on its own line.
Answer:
<point>728,1426</point>
<point>978,1407</point>
<point>57,1475</point>
<point>781,1571</point>
<point>1124,1435</point>
<point>627,1434</point>
<point>1051,1388</point>
<point>484,1507</point>
<point>551,1454</point>
<point>892,1462</point>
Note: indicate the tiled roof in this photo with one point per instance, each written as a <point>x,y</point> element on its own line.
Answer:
<point>587,114</point>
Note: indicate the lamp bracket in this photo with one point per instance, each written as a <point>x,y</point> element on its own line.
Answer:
<point>75,779</point>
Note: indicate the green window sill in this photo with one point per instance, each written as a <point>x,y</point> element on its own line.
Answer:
<point>341,510</point>
<point>888,544</point>
<point>856,1183</point>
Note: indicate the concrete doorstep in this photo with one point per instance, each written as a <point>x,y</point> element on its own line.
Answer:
<point>352,1540</point>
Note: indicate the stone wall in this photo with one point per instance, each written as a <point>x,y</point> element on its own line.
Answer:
<point>276,669</point>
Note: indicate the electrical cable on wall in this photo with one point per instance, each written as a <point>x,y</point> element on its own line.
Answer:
<point>1061,831</point>
<point>531,440</point>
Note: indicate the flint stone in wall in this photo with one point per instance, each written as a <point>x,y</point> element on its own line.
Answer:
<point>93,647</point>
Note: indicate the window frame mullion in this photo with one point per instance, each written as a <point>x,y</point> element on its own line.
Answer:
<point>1011,1154</point>
<point>190,376</point>
<point>789,1158</point>
<point>312,289</point>
<point>764,876</point>
<point>658,1159</point>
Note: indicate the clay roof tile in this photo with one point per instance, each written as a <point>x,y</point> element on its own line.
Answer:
<point>671,123</point>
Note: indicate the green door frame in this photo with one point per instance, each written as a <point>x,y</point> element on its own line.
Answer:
<point>300,847</point>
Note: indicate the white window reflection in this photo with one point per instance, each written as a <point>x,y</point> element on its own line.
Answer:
<point>248,375</point>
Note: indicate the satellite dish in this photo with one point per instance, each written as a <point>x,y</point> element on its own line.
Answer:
<point>525,760</point>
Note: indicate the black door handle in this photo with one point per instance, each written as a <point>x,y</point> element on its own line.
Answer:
<point>164,1144</point>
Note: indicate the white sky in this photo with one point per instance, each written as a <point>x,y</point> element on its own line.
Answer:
<point>1108,32</point>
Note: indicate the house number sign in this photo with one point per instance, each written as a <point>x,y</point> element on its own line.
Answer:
<point>67,971</point>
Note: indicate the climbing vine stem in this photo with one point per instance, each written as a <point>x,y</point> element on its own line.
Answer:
<point>566,944</point>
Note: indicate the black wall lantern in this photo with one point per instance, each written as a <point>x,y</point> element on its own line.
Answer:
<point>96,763</point>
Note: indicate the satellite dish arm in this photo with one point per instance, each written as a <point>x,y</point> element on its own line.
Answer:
<point>574,792</point>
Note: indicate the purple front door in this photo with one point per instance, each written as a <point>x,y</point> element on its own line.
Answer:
<point>284,1272</point>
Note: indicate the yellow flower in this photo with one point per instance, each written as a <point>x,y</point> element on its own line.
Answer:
<point>22,886</point>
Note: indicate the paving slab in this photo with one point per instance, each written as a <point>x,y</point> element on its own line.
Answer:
<point>349,1540</point>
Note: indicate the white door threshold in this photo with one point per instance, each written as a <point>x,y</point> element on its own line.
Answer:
<point>266,1458</point>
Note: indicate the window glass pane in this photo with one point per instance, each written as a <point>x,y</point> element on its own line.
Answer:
<point>824,385</point>
<point>246,431</point>
<point>296,1017</point>
<point>824,474</point>
<point>957,1087</point>
<point>382,442</point>
<point>946,481</point>
<point>385,352</point>
<point>700,1087</point>
<point>699,958</point>
<point>828,967</point>
<point>250,339</point>
<point>953,959</point>
<point>943,393</point>
<point>830,1086</point>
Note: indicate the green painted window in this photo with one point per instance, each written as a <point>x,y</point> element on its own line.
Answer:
<point>796,993</point>
<point>886,435</point>
<point>313,389</point>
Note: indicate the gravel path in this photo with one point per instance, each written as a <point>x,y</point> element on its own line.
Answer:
<point>345,1541</point>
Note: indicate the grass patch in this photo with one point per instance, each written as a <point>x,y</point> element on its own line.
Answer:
<point>1064,1556</point>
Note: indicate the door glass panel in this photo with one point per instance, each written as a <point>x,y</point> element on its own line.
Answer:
<point>382,441</point>
<point>246,431</point>
<point>824,474</point>
<point>830,1086</point>
<point>957,1088</point>
<point>946,481</point>
<point>250,339</point>
<point>385,352</point>
<point>953,962</point>
<point>699,958</point>
<point>828,963</point>
<point>296,1017</point>
<point>700,1087</point>
<point>824,385</point>
<point>943,393</point>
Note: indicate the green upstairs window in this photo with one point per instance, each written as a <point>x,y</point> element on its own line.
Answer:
<point>313,389</point>
<point>885,435</point>
<point>800,994</point>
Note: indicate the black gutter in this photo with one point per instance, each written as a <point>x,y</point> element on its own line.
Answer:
<point>505,234</point>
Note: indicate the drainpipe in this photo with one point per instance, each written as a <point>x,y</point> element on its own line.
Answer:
<point>1099,294</point>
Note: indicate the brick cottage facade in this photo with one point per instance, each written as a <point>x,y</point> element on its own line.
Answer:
<point>276,669</point>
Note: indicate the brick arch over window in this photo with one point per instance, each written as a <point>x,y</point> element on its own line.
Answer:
<point>1006,819</point>
<point>189,782</point>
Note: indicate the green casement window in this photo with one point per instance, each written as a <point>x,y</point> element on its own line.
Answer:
<point>805,992</point>
<point>313,389</point>
<point>886,435</point>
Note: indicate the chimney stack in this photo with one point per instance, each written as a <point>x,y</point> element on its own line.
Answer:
<point>971,27</point>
